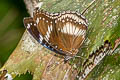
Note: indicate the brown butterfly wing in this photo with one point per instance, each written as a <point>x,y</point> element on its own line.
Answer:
<point>31,26</point>
<point>65,32</point>
<point>71,32</point>
<point>47,27</point>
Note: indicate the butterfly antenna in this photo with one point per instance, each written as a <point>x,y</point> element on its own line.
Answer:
<point>90,4</point>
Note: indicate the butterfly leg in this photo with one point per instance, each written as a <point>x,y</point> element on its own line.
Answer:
<point>66,58</point>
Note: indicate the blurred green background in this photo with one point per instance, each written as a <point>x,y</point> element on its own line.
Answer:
<point>12,13</point>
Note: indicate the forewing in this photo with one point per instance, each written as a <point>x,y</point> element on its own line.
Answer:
<point>33,29</point>
<point>47,27</point>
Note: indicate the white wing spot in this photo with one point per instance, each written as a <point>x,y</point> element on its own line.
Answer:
<point>63,21</point>
<point>51,27</point>
<point>40,38</point>
<point>43,18</point>
<point>58,29</point>
<point>61,49</point>
<point>34,24</point>
<point>37,21</point>
<point>46,37</point>
<point>48,34</point>
<point>28,26</point>
<point>40,18</point>
<point>56,46</point>
<point>71,30</point>
<point>67,19</point>
<point>68,28</point>
<point>55,21</point>
<point>79,22</point>
<point>65,29</point>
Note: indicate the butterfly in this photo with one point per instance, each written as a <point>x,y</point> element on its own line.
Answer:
<point>62,32</point>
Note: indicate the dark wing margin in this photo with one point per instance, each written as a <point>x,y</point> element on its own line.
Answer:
<point>31,27</point>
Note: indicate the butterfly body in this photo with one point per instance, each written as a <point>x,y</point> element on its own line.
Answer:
<point>62,33</point>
